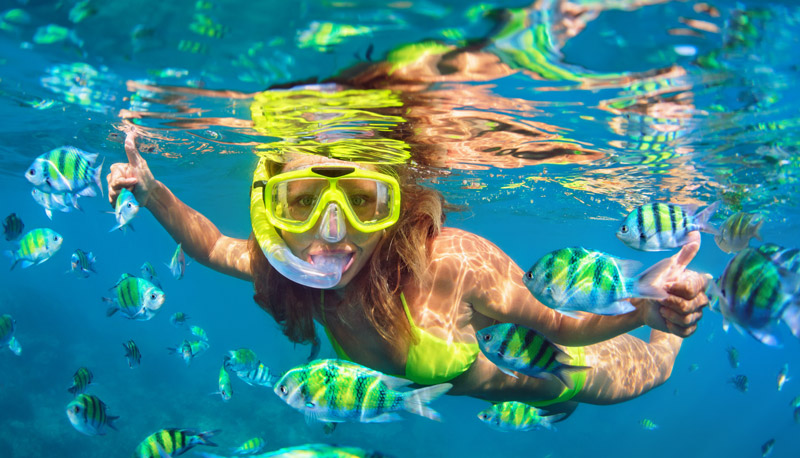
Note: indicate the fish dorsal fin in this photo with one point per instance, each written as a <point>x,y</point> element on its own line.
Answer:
<point>627,267</point>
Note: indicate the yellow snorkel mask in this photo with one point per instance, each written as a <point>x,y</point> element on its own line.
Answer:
<point>294,202</point>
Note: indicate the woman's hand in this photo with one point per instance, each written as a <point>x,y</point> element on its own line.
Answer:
<point>134,175</point>
<point>682,309</point>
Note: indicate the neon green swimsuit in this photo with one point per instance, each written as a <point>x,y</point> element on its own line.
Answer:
<point>433,360</point>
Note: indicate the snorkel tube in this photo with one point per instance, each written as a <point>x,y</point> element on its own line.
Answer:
<point>274,247</point>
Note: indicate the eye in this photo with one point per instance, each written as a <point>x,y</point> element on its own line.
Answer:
<point>283,389</point>
<point>484,416</point>
<point>76,409</point>
<point>153,296</point>
<point>487,337</point>
<point>55,238</point>
<point>358,201</point>
<point>624,229</point>
<point>305,201</point>
<point>129,205</point>
<point>32,172</point>
<point>529,275</point>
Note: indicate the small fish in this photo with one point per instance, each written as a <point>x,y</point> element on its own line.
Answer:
<point>795,402</point>
<point>125,210</point>
<point>694,367</point>
<point>766,449</point>
<point>189,349</point>
<point>80,381</point>
<point>250,446</point>
<point>177,265</point>
<point>36,247</point>
<point>797,414</point>
<point>172,442</point>
<point>7,327</point>
<point>60,202</point>
<point>178,319</point>
<point>66,169</point>
<point>332,390</point>
<point>199,332</point>
<point>137,298</point>
<point>648,424</point>
<point>87,413</point>
<point>149,274</point>
<point>132,353</point>
<point>82,263</point>
<point>733,356</point>
<point>783,376</point>
<point>81,11</point>
<point>313,451</point>
<point>659,227</point>
<point>576,279</point>
<point>513,347</point>
<point>736,232</point>
<point>12,227</point>
<point>241,360</point>
<point>225,387</point>
<point>739,382</point>
<point>755,294</point>
<point>517,416</point>
<point>261,375</point>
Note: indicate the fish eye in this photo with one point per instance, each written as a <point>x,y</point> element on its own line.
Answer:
<point>31,172</point>
<point>129,205</point>
<point>283,389</point>
<point>483,416</point>
<point>153,296</point>
<point>624,229</point>
<point>529,275</point>
<point>487,337</point>
<point>55,238</point>
<point>76,409</point>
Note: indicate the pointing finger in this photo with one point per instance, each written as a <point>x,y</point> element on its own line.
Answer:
<point>134,158</point>
<point>688,252</point>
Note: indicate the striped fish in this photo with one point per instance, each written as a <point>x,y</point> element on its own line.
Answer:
<point>82,263</point>
<point>36,247</point>
<point>59,202</point>
<point>576,279</point>
<point>225,387</point>
<point>241,360</point>
<point>788,258</point>
<point>199,332</point>
<point>740,382</point>
<point>648,424</point>
<point>250,446</point>
<point>12,227</point>
<point>132,353</point>
<point>512,347</point>
<point>7,326</point>
<point>178,319</point>
<point>517,416</point>
<point>137,298</point>
<point>736,232</point>
<point>80,381</point>
<point>125,210</point>
<point>189,349</point>
<point>177,265</point>
<point>332,390</point>
<point>783,376</point>
<point>313,451</point>
<point>87,413</point>
<point>172,442</point>
<point>261,375</point>
<point>659,227</point>
<point>66,169</point>
<point>149,274</point>
<point>754,294</point>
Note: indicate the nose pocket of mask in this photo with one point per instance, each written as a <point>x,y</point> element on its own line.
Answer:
<point>332,229</point>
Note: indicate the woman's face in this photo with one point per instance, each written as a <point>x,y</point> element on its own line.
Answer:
<point>351,252</point>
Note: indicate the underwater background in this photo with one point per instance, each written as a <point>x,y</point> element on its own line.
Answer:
<point>724,128</point>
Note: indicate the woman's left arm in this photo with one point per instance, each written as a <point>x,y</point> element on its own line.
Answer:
<point>496,290</point>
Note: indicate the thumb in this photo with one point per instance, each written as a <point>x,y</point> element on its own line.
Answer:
<point>134,158</point>
<point>688,252</point>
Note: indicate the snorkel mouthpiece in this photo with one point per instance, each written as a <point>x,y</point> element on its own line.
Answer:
<point>332,228</point>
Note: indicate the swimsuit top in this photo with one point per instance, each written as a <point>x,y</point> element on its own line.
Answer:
<point>430,360</point>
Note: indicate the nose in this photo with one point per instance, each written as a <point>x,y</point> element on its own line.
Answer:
<point>333,228</point>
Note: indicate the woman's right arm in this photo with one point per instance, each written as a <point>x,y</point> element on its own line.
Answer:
<point>200,238</point>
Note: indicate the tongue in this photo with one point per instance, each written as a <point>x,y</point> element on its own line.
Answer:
<point>334,262</point>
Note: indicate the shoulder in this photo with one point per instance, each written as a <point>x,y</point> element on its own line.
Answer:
<point>462,247</point>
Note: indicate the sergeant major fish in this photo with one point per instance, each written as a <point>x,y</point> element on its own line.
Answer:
<point>332,390</point>
<point>132,353</point>
<point>513,347</point>
<point>137,298</point>
<point>189,349</point>
<point>177,264</point>
<point>261,375</point>
<point>87,413</point>
<point>659,226</point>
<point>7,326</point>
<point>577,279</point>
<point>783,376</point>
<point>517,416</point>
<point>736,232</point>
<point>178,319</point>
<point>648,424</point>
<point>250,446</point>
<point>125,210</point>
<point>172,442</point>
<point>12,227</point>
<point>199,332</point>
<point>754,294</point>
<point>739,382</point>
<point>66,169</point>
<point>149,273</point>
<point>788,258</point>
<point>80,381</point>
<point>60,202</point>
<point>241,360</point>
<point>82,263</point>
<point>225,387</point>
<point>36,247</point>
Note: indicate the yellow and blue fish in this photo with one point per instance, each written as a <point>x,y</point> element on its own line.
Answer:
<point>82,263</point>
<point>80,381</point>
<point>580,280</point>
<point>12,227</point>
<point>250,446</point>
<point>735,233</point>
<point>189,349</point>
<point>149,274</point>
<point>178,319</point>
<point>177,265</point>
<point>660,226</point>
<point>125,210</point>
<point>136,298</point>
<point>261,375</point>
<point>783,376</point>
<point>517,416</point>
<point>332,390</point>
<point>55,201</point>
<point>35,247</point>
<point>88,414</point>
<point>241,360</point>
<point>513,347</point>
<point>132,353</point>
<point>648,424</point>
<point>7,327</point>
<point>172,442</point>
<point>225,387</point>
<point>66,169</point>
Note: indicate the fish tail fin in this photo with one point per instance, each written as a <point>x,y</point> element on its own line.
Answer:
<point>96,177</point>
<point>791,316</point>
<point>72,389</point>
<point>111,310</point>
<point>757,230</point>
<point>14,345</point>
<point>13,257</point>
<point>417,400</point>
<point>110,422</point>
<point>649,283</point>
<point>565,374</point>
<point>547,421</point>
<point>702,219</point>
<point>203,437</point>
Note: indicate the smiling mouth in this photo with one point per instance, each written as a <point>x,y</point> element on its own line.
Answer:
<point>340,261</point>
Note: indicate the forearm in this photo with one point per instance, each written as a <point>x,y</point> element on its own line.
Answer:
<point>200,238</point>
<point>592,329</point>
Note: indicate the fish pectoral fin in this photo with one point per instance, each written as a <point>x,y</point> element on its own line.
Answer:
<point>507,372</point>
<point>384,418</point>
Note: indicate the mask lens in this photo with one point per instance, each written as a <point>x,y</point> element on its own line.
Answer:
<point>370,200</point>
<point>295,200</point>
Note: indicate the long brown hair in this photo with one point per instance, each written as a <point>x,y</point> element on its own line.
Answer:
<point>401,256</point>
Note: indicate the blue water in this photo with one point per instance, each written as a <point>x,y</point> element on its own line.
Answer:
<point>732,136</point>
